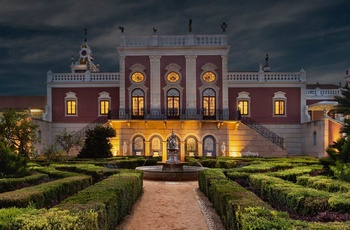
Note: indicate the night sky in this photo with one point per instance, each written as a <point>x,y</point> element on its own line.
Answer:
<point>38,36</point>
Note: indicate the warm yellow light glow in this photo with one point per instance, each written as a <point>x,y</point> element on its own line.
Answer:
<point>36,110</point>
<point>235,154</point>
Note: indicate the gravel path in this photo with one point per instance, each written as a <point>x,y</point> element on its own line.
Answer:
<point>173,206</point>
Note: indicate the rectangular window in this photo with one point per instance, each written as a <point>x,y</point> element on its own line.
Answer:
<point>280,107</point>
<point>243,105</point>
<point>71,107</point>
<point>104,107</point>
<point>137,106</point>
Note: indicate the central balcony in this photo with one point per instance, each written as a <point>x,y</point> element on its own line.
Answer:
<point>182,114</point>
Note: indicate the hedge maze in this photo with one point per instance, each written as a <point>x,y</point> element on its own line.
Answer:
<point>68,196</point>
<point>285,193</point>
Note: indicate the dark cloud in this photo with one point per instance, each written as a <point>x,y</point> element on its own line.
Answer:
<point>37,35</point>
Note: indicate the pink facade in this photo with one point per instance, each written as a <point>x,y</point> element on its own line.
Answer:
<point>201,109</point>
<point>87,103</point>
<point>261,104</point>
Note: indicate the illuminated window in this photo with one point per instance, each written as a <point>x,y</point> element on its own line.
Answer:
<point>104,103</point>
<point>71,104</point>
<point>243,106</point>
<point>209,100</point>
<point>138,102</point>
<point>279,104</point>
<point>104,107</point>
<point>279,107</point>
<point>243,103</point>
<point>208,76</point>
<point>71,107</point>
<point>173,100</point>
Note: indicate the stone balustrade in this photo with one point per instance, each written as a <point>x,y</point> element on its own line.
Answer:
<point>83,77</point>
<point>174,40</point>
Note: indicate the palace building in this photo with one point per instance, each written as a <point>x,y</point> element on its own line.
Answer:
<point>182,84</point>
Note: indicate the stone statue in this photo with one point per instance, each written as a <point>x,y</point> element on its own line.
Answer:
<point>125,148</point>
<point>190,25</point>
<point>121,28</point>
<point>267,59</point>
<point>223,148</point>
<point>172,142</point>
<point>223,27</point>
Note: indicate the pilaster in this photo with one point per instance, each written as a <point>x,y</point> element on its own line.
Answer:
<point>155,83</point>
<point>224,83</point>
<point>191,99</point>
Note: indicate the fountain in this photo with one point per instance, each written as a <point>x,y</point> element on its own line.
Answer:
<point>172,169</point>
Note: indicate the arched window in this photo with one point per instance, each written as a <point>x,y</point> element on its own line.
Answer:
<point>191,143</point>
<point>209,103</point>
<point>138,146</point>
<point>173,103</point>
<point>156,146</point>
<point>209,146</point>
<point>138,103</point>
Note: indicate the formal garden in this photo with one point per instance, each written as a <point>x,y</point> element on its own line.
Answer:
<point>94,190</point>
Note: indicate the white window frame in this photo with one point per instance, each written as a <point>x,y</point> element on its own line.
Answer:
<point>104,96</point>
<point>70,96</point>
<point>279,96</point>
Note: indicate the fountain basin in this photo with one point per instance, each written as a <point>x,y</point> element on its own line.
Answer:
<point>178,166</point>
<point>156,172</point>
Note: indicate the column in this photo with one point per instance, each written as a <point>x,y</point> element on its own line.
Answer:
<point>147,148</point>
<point>191,88</point>
<point>155,92</point>
<point>122,92</point>
<point>200,148</point>
<point>182,151</point>
<point>165,151</point>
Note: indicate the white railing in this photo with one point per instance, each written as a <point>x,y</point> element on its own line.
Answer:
<point>83,77</point>
<point>266,77</point>
<point>323,92</point>
<point>174,40</point>
<point>243,76</point>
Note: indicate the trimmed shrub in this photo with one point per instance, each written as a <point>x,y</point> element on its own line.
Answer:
<point>111,198</point>
<point>340,203</point>
<point>42,219</point>
<point>323,183</point>
<point>295,198</point>
<point>292,174</point>
<point>205,178</point>
<point>46,194</point>
<point>54,173</point>
<point>9,184</point>
<point>97,172</point>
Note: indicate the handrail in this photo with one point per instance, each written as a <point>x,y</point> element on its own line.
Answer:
<point>263,131</point>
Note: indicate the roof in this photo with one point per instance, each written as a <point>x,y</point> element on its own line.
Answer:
<point>23,102</point>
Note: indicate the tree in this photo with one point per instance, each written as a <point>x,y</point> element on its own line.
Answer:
<point>344,101</point>
<point>67,141</point>
<point>10,163</point>
<point>97,143</point>
<point>19,131</point>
